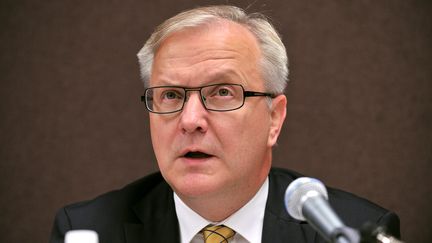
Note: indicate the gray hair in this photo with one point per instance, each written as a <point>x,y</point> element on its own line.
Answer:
<point>273,65</point>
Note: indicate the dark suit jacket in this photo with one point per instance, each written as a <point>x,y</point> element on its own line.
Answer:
<point>144,212</point>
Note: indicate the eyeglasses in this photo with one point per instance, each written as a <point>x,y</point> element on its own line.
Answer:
<point>215,97</point>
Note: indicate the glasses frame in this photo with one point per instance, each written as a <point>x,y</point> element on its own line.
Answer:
<point>246,93</point>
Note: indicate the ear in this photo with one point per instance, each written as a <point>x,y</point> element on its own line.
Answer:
<point>278,114</point>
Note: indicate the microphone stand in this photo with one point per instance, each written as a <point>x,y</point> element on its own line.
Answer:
<point>369,233</point>
<point>345,235</point>
<point>372,233</point>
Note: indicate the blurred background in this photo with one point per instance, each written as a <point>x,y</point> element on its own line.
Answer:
<point>72,125</point>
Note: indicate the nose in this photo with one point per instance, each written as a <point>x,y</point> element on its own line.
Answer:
<point>193,117</point>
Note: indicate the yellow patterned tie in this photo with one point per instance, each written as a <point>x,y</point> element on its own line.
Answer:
<point>217,234</point>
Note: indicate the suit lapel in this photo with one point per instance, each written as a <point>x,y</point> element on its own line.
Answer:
<point>279,226</point>
<point>159,220</point>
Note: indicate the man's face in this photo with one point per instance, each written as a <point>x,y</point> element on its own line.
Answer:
<point>207,153</point>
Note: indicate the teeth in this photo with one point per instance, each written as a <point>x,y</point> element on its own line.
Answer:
<point>197,155</point>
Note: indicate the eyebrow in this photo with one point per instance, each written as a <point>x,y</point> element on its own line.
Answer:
<point>225,76</point>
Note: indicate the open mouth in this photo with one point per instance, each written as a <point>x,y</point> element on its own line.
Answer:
<point>197,155</point>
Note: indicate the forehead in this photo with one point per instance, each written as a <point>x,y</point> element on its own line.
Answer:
<point>208,48</point>
<point>219,31</point>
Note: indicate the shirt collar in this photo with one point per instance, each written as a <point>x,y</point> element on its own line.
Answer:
<point>191,223</point>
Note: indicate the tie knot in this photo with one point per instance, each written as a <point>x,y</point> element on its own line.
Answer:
<point>217,234</point>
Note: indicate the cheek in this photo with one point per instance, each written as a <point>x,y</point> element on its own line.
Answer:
<point>154,130</point>
<point>257,125</point>
<point>159,132</point>
<point>243,137</point>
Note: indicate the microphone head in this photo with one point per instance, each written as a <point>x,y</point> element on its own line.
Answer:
<point>299,191</point>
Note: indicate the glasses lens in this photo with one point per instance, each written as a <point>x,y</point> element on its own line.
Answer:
<point>164,99</point>
<point>223,97</point>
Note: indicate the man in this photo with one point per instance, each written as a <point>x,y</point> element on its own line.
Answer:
<point>215,79</point>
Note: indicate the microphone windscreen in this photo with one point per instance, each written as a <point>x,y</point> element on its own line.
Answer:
<point>296,194</point>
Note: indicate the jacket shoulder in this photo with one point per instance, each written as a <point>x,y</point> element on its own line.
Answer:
<point>355,211</point>
<point>121,198</point>
<point>107,213</point>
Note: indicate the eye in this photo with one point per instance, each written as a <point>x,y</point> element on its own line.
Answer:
<point>223,91</point>
<point>171,94</point>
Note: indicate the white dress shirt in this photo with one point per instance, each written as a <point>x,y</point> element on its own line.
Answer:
<point>247,222</point>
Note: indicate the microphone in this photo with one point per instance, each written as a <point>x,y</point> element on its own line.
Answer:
<point>81,236</point>
<point>306,200</point>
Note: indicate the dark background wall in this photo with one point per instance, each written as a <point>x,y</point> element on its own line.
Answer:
<point>72,126</point>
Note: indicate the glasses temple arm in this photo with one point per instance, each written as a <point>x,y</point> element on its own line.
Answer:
<point>255,93</point>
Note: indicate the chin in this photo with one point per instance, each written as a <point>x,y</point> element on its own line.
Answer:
<point>197,186</point>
